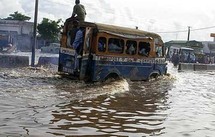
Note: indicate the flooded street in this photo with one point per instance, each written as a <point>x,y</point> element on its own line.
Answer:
<point>38,102</point>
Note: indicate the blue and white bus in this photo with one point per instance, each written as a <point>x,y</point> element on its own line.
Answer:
<point>111,51</point>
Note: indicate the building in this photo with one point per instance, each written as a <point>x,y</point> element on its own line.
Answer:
<point>20,31</point>
<point>209,47</point>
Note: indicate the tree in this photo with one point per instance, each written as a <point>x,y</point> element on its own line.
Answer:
<point>18,16</point>
<point>49,29</point>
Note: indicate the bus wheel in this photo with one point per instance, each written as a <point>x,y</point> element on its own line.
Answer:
<point>153,76</point>
<point>112,77</point>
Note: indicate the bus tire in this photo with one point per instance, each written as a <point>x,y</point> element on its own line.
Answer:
<point>112,76</point>
<point>154,75</point>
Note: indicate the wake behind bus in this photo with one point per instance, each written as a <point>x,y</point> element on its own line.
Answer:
<point>108,51</point>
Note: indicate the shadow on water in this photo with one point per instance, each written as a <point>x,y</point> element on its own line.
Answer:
<point>39,102</point>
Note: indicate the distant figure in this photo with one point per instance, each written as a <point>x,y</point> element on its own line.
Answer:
<point>79,11</point>
<point>175,58</point>
<point>192,58</point>
<point>212,59</point>
<point>207,59</point>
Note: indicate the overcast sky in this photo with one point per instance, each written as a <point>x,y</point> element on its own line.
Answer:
<point>169,18</point>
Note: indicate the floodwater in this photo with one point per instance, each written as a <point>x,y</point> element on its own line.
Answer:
<point>39,103</point>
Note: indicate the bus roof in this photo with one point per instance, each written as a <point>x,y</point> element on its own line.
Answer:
<point>123,31</point>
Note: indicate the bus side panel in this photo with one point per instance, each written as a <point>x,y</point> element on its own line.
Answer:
<point>133,71</point>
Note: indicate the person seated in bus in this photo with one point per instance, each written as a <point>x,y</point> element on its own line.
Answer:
<point>101,44</point>
<point>143,52</point>
<point>131,49</point>
<point>145,49</point>
<point>112,47</point>
<point>78,45</point>
<point>79,11</point>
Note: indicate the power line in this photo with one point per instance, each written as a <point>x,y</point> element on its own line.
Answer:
<point>190,30</point>
<point>203,28</point>
<point>173,31</point>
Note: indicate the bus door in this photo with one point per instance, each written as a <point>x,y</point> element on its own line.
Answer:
<point>69,58</point>
<point>84,61</point>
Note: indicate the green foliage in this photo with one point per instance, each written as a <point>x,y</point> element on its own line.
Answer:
<point>49,29</point>
<point>18,16</point>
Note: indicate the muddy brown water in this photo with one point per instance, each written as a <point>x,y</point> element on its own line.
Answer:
<point>41,103</point>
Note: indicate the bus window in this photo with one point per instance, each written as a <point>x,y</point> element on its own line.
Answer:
<point>144,48</point>
<point>115,45</point>
<point>131,47</point>
<point>102,44</point>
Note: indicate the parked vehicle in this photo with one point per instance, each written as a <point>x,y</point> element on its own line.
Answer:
<point>187,55</point>
<point>183,55</point>
<point>52,48</point>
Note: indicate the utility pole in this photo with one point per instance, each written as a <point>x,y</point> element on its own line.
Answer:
<point>34,34</point>
<point>188,37</point>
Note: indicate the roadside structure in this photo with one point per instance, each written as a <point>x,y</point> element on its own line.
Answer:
<point>21,33</point>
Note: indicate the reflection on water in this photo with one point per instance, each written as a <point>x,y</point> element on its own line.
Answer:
<point>133,113</point>
<point>38,102</point>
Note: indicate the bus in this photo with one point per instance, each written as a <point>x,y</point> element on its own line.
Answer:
<point>109,51</point>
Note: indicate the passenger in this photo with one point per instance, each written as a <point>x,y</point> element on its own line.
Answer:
<point>148,49</point>
<point>158,51</point>
<point>79,11</point>
<point>143,52</point>
<point>212,59</point>
<point>77,45</point>
<point>112,47</point>
<point>101,46</point>
<point>71,33</point>
<point>131,50</point>
<point>192,58</point>
<point>175,58</point>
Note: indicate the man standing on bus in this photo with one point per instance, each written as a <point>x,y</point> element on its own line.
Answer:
<point>78,45</point>
<point>79,11</point>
